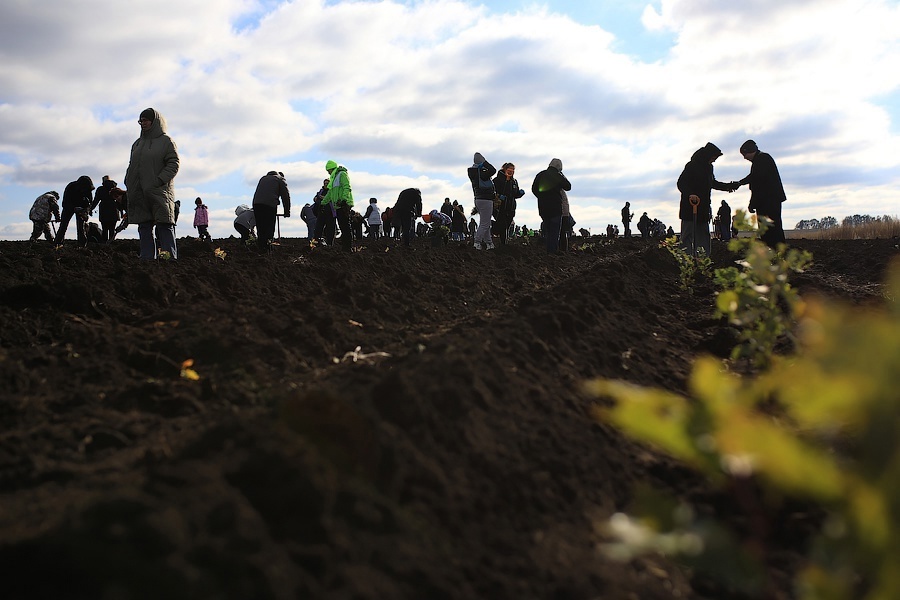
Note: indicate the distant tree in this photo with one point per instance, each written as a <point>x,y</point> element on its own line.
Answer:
<point>808,224</point>
<point>857,220</point>
<point>828,223</point>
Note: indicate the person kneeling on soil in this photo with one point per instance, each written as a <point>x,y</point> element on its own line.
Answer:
<point>245,221</point>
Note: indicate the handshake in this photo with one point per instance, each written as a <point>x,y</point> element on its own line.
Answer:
<point>733,186</point>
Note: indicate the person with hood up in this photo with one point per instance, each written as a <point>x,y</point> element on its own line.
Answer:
<point>336,206</point>
<point>766,191</point>
<point>696,183</point>
<point>244,222</point>
<point>269,189</point>
<point>548,187</point>
<point>201,220</point>
<point>44,207</point>
<point>480,174</point>
<point>76,202</point>
<point>149,179</point>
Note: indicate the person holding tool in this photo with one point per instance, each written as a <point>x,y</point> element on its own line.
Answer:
<point>696,183</point>
<point>270,188</point>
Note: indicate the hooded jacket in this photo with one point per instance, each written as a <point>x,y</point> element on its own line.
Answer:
<point>149,179</point>
<point>43,207</point>
<point>698,179</point>
<point>548,187</point>
<point>201,216</point>
<point>482,171</point>
<point>339,192</point>
<point>78,193</point>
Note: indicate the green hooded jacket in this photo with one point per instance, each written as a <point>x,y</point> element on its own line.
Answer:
<point>339,192</point>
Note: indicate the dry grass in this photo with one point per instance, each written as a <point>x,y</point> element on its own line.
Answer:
<point>883,229</point>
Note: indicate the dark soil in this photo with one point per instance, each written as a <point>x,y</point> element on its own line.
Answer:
<point>392,423</point>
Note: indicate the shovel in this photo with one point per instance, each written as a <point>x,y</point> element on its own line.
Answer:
<point>695,203</point>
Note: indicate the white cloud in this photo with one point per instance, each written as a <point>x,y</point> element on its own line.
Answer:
<point>408,91</point>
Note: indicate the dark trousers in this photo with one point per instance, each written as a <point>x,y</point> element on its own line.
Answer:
<point>325,225</point>
<point>41,228</point>
<point>108,230</point>
<point>80,222</point>
<point>552,228</point>
<point>265,224</point>
<point>406,227</point>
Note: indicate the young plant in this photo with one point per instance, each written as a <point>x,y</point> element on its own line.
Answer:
<point>757,297</point>
<point>689,266</point>
<point>836,441</point>
<point>165,255</point>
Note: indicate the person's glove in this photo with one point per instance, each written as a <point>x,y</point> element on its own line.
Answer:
<point>502,197</point>
<point>521,193</point>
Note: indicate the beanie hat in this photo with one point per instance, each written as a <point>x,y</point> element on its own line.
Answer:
<point>148,113</point>
<point>330,166</point>
<point>556,164</point>
<point>748,147</point>
<point>478,158</point>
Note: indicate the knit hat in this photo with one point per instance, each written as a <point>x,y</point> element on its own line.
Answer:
<point>748,147</point>
<point>478,158</point>
<point>556,164</point>
<point>148,113</point>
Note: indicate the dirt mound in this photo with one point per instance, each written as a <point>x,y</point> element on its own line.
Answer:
<point>391,423</point>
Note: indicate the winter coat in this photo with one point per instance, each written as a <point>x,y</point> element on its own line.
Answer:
<point>548,186</point>
<point>508,191</point>
<point>481,172</point>
<point>44,206</point>
<point>766,189</point>
<point>78,193</point>
<point>409,202</point>
<point>149,179</point>
<point>339,192</point>
<point>109,212</point>
<point>698,179</point>
<point>271,186</point>
<point>373,215</point>
<point>245,217</point>
<point>201,216</point>
<point>459,219</point>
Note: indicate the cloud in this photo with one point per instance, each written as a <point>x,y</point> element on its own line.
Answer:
<point>407,91</point>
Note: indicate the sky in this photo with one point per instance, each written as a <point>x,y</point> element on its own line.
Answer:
<point>403,93</point>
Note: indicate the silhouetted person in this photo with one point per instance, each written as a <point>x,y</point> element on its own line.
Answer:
<point>766,191</point>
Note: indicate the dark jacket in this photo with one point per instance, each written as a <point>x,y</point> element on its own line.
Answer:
<point>270,188</point>
<point>459,219</point>
<point>483,172</point>
<point>548,187</point>
<point>78,193</point>
<point>698,179</point>
<point>766,189</point>
<point>508,190</point>
<point>409,202</point>
<point>109,212</point>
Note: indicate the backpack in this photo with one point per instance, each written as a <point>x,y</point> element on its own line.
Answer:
<point>482,183</point>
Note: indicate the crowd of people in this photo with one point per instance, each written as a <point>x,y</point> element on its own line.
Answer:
<point>148,200</point>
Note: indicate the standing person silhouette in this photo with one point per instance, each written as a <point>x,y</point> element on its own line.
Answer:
<point>151,192</point>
